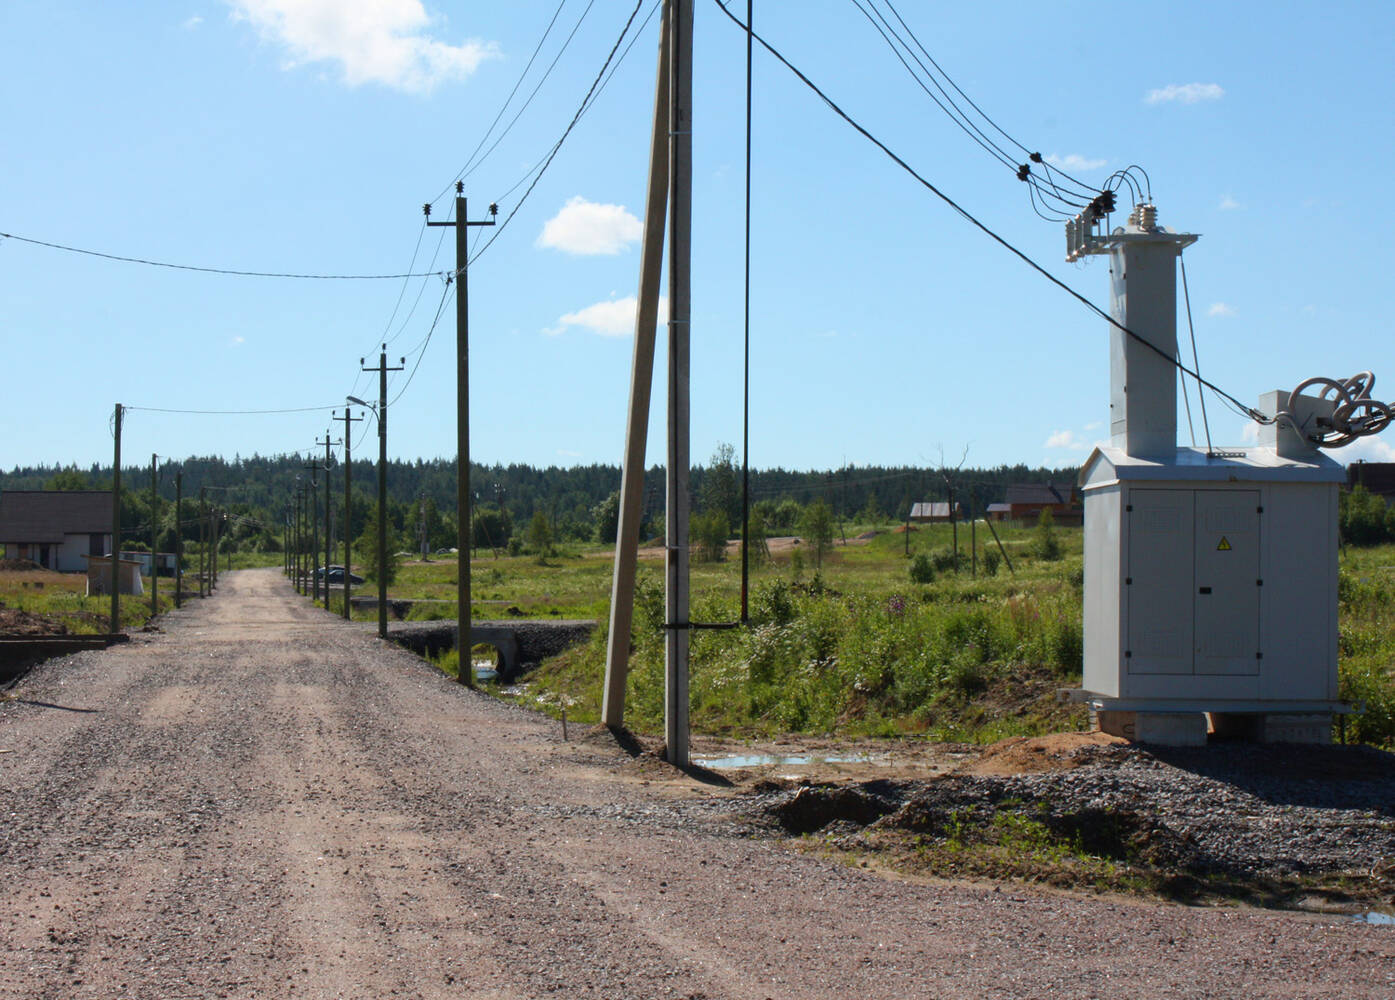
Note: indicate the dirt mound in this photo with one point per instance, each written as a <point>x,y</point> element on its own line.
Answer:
<point>1034,754</point>
<point>18,565</point>
<point>812,808</point>
<point>17,624</point>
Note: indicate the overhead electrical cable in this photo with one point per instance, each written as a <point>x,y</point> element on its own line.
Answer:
<point>470,168</point>
<point>508,100</point>
<point>967,126</point>
<point>552,154</point>
<point>445,297</point>
<point>599,90</point>
<point>214,270</point>
<point>964,214</point>
<point>233,413</point>
<point>946,102</point>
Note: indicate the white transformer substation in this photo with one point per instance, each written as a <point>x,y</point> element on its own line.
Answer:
<point>1210,576</point>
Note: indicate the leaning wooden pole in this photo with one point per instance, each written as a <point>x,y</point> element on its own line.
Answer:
<point>680,170</point>
<point>622,590</point>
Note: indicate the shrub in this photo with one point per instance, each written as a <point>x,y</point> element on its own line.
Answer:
<point>1045,545</point>
<point>992,559</point>
<point>922,570</point>
<point>774,603</point>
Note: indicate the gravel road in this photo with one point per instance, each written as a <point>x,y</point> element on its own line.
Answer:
<point>263,801</point>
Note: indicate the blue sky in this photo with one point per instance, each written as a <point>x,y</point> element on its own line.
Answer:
<point>304,136</point>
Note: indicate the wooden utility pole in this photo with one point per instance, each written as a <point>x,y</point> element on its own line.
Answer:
<point>214,530</point>
<point>179,538</point>
<point>382,371</point>
<point>116,524</point>
<point>203,538</point>
<point>973,536</point>
<point>154,538</point>
<point>464,535</point>
<point>314,468</point>
<point>349,421</point>
<point>622,591</point>
<point>680,172</point>
<point>328,497</point>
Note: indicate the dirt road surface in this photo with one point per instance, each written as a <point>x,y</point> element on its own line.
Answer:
<point>266,802</point>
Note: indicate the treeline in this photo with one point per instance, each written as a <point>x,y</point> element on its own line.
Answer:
<point>579,503</point>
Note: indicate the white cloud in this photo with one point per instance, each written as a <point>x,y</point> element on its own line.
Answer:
<point>1221,309</point>
<point>612,318</point>
<point>588,227</point>
<point>1229,204</point>
<point>238,341</point>
<point>1185,93</point>
<point>1094,425</point>
<point>1366,449</point>
<point>1249,432</point>
<point>1064,439</point>
<point>373,41</point>
<point>193,22</point>
<point>1074,162</point>
<point>567,453</point>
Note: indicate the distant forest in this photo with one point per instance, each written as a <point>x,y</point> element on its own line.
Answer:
<point>579,502</point>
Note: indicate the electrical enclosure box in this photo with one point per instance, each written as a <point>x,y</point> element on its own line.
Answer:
<point>1210,582</point>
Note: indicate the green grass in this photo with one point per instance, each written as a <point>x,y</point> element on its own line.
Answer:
<point>61,599</point>
<point>857,648</point>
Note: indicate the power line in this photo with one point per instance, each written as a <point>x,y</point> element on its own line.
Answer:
<point>233,413</point>
<point>505,106</point>
<point>212,270</point>
<point>445,296</point>
<point>471,165</point>
<point>585,103</point>
<point>961,118</point>
<point>964,214</point>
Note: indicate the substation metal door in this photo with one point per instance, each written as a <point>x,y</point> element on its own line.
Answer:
<point>1192,583</point>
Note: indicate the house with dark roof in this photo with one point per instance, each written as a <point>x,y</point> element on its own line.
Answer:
<point>58,529</point>
<point>1374,477</point>
<point>1026,501</point>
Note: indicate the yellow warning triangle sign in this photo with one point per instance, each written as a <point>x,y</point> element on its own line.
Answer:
<point>1224,546</point>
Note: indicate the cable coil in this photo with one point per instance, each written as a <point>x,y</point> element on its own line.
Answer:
<point>1354,415</point>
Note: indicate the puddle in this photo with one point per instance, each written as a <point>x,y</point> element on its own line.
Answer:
<point>1379,919</point>
<point>484,670</point>
<point>736,761</point>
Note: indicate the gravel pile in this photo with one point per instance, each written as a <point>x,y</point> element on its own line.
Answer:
<point>1238,810</point>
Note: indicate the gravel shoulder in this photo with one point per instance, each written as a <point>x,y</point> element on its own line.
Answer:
<point>264,801</point>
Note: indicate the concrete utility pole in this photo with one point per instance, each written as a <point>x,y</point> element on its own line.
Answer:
<point>116,524</point>
<point>622,591</point>
<point>154,538</point>
<point>680,172</point>
<point>463,533</point>
<point>382,371</point>
<point>349,421</point>
<point>179,538</point>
